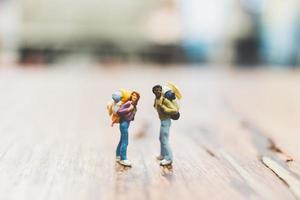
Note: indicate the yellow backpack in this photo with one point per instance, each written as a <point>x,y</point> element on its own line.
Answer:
<point>175,102</point>
<point>125,95</point>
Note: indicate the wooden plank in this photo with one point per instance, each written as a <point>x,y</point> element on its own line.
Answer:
<point>56,142</point>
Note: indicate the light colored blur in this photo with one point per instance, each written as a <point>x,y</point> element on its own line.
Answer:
<point>236,32</point>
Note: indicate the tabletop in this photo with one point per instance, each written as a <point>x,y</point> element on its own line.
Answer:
<point>237,137</point>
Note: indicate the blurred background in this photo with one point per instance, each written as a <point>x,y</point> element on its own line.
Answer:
<point>245,33</point>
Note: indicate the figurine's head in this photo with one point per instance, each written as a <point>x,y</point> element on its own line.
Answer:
<point>117,96</point>
<point>134,97</point>
<point>157,90</point>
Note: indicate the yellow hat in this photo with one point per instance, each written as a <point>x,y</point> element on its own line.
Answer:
<point>175,89</point>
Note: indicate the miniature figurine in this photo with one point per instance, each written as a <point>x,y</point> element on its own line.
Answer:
<point>126,113</point>
<point>167,107</point>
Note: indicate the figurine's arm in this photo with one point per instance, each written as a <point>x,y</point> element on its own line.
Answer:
<point>124,109</point>
<point>168,107</point>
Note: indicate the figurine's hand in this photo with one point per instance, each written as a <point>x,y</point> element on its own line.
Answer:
<point>131,107</point>
<point>161,109</point>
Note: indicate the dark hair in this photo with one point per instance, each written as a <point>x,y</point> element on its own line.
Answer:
<point>137,94</point>
<point>156,87</point>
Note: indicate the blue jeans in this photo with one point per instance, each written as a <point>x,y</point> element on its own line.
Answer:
<point>123,143</point>
<point>165,149</point>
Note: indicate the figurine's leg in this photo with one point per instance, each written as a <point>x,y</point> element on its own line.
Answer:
<point>161,140</point>
<point>124,139</point>
<point>118,150</point>
<point>165,128</point>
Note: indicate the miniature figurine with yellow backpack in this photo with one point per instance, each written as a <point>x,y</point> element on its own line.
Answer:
<point>167,107</point>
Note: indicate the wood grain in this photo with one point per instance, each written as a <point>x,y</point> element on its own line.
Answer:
<point>56,141</point>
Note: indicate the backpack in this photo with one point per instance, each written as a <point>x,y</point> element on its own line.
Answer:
<point>175,116</point>
<point>112,106</point>
<point>172,93</point>
<point>125,95</point>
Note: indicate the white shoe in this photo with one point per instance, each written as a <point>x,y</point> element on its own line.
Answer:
<point>126,163</point>
<point>118,158</point>
<point>159,157</point>
<point>165,162</point>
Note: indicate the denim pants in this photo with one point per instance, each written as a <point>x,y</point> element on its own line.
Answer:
<point>165,149</point>
<point>123,143</point>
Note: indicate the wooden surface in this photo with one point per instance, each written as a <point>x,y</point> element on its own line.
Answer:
<point>238,136</point>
